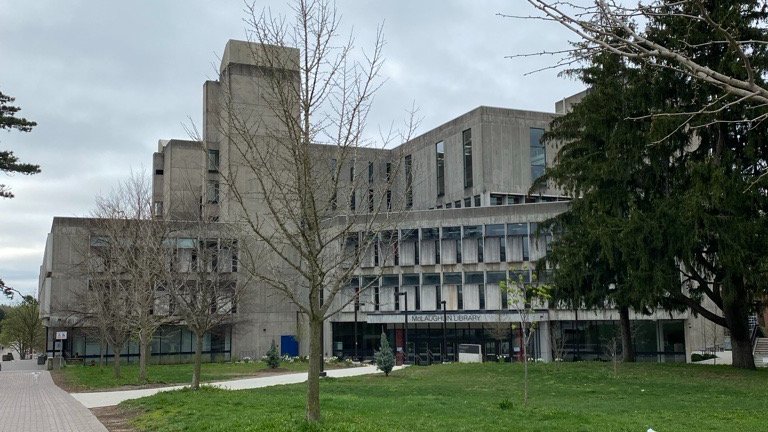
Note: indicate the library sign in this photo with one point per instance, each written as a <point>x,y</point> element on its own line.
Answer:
<point>417,318</point>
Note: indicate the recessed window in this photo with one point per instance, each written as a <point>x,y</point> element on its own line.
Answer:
<point>370,200</point>
<point>467,202</point>
<point>408,182</point>
<point>213,160</point>
<point>370,172</point>
<point>440,162</point>
<point>158,172</point>
<point>213,192</point>
<point>538,154</point>
<point>466,139</point>
<point>477,200</point>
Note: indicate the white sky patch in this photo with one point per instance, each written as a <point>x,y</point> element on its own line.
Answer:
<point>106,80</point>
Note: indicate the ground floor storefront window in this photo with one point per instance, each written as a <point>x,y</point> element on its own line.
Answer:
<point>171,344</point>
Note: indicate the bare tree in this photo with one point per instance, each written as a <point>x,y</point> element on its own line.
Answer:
<point>526,294</point>
<point>128,251</point>
<point>614,26</point>
<point>295,173</point>
<point>202,282</point>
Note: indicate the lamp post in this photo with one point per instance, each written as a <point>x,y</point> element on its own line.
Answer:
<point>405,293</point>
<point>445,340</point>
<point>357,307</point>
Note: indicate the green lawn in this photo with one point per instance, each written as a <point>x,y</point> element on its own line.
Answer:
<point>84,378</point>
<point>474,397</point>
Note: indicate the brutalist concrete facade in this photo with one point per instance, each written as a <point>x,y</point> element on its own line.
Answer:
<point>470,221</point>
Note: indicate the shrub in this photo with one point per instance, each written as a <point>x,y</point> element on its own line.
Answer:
<point>384,357</point>
<point>696,357</point>
<point>273,357</point>
<point>505,404</point>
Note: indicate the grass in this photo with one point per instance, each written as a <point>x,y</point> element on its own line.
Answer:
<point>487,397</point>
<point>88,378</point>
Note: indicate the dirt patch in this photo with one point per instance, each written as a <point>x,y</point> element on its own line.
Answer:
<point>115,418</point>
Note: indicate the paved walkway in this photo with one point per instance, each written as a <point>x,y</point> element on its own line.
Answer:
<point>20,365</point>
<point>31,402</point>
<point>102,399</point>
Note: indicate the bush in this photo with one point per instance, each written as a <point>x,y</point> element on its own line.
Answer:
<point>273,357</point>
<point>506,404</point>
<point>384,357</point>
<point>696,357</point>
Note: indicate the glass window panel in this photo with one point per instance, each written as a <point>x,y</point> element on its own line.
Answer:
<point>473,231</point>
<point>496,230</point>
<point>451,232</point>
<point>430,279</point>
<point>451,278</point>
<point>410,279</point>
<point>390,280</point>
<point>473,278</point>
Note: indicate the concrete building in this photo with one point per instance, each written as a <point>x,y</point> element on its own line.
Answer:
<point>469,221</point>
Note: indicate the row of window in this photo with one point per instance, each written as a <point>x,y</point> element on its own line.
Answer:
<point>432,291</point>
<point>492,243</point>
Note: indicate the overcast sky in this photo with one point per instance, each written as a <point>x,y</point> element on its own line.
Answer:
<point>106,80</point>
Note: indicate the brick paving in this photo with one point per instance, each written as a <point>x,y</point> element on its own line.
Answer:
<point>31,402</point>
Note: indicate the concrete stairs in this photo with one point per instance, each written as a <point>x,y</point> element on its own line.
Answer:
<point>760,352</point>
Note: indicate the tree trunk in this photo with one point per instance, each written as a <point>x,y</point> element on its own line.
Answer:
<point>736,315</point>
<point>101,352</point>
<point>627,348</point>
<point>315,361</point>
<point>525,367</point>
<point>198,361</point>
<point>143,355</point>
<point>116,361</point>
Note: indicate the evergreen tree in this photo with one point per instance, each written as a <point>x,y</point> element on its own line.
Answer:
<point>9,163</point>
<point>669,208</point>
<point>384,357</point>
<point>273,357</point>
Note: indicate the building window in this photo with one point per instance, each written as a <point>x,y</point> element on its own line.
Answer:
<point>158,208</point>
<point>213,192</point>
<point>389,200</point>
<point>457,204</point>
<point>158,172</point>
<point>538,154</point>
<point>213,160</point>
<point>440,160</point>
<point>397,298</point>
<point>389,171</point>
<point>448,205</point>
<point>466,139</point>
<point>334,185</point>
<point>370,172</point>
<point>459,297</point>
<point>370,200</point>
<point>376,298</point>
<point>352,171</point>
<point>408,182</point>
<point>477,200</point>
<point>467,202</point>
<point>352,201</point>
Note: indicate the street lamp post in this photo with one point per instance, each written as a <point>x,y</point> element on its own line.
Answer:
<point>445,340</point>
<point>405,293</point>
<point>357,307</point>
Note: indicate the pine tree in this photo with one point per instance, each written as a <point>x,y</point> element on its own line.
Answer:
<point>670,180</point>
<point>9,163</point>
<point>273,357</point>
<point>384,357</point>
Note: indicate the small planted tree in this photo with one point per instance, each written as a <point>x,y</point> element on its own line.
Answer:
<point>384,357</point>
<point>273,357</point>
<point>525,294</point>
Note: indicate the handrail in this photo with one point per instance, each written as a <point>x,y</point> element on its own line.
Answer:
<point>753,337</point>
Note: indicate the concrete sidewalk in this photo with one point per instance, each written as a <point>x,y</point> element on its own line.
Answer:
<point>31,402</point>
<point>102,399</point>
